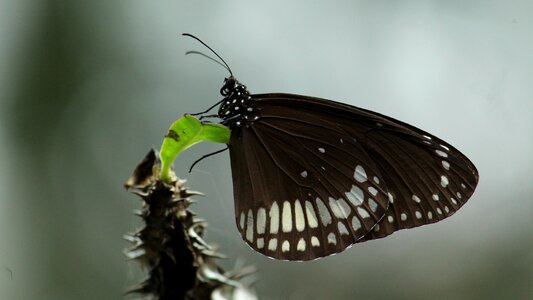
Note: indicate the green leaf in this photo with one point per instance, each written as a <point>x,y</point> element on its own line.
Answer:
<point>184,133</point>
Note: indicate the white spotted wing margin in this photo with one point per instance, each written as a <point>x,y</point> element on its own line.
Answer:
<point>304,188</point>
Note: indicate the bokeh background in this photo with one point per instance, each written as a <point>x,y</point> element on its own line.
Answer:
<point>87,87</point>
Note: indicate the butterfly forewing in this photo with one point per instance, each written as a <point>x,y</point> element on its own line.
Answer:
<point>313,176</point>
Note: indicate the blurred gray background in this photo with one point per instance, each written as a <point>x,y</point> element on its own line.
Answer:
<point>87,87</point>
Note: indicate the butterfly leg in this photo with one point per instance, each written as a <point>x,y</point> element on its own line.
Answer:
<point>208,116</point>
<point>205,156</point>
<point>207,110</point>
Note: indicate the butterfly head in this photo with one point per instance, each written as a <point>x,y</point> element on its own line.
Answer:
<point>236,108</point>
<point>231,85</point>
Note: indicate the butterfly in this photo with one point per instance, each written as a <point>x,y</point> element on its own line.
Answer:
<point>312,177</point>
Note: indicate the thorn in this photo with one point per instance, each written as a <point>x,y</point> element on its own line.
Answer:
<point>135,254</point>
<point>138,212</point>
<point>214,254</point>
<point>189,193</point>
<point>131,238</point>
<point>141,193</point>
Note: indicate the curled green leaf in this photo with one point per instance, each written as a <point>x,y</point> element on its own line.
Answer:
<point>184,133</point>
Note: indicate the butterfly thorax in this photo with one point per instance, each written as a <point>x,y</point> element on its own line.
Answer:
<point>237,106</point>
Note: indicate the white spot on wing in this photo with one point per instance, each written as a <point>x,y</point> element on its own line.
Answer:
<point>390,219</point>
<point>285,247</point>
<point>250,226</point>
<point>346,209</point>
<point>321,150</point>
<point>342,229</point>
<point>446,165</point>
<point>403,216</point>
<point>439,211</point>
<point>447,149</point>
<point>430,215</point>
<point>446,209</point>
<point>356,224</point>
<point>323,212</point>
<point>372,204</point>
<point>376,179</point>
<point>463,186</point>
<point>372,190</point>
<point>314,241</point>
<point>301,245</point>
<point>441,153</point>
<point>435,197</point>
<point>332,239</point>
<point>286,217</point>
<point>299,216</point>
<point>337,209</point>
<point>273,244</point>
<point>416,199</point>
<point>274,218</point>
<point>311,216</point>
<point>303,174</point>
<point>418,215</point>
<point>260,243</point>
<point>363,213</point>
<point>444,181</point>
<point>241,220</point>
<point>459,195</point>
<point>391,198</point>
<point>360,174</point>
<point>453,201</point>
<point>355,195</point>
<point>261,220</point>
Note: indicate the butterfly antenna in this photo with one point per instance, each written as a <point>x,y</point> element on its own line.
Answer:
<point>208,57</point>
<point>199,40</point>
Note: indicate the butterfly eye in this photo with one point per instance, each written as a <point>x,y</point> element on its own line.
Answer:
<point>230,84</point>
<point>224,91</point>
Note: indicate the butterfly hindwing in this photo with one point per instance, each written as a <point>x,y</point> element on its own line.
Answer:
<point>428,178</point>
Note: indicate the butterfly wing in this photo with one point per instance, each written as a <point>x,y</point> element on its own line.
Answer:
<point>302,189</point>
<point>326,172</point>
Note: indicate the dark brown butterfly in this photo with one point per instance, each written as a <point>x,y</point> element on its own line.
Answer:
<point>311,177</point>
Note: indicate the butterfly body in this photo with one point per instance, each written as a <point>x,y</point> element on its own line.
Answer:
<point>311,177</point>
<point>236,108</point>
